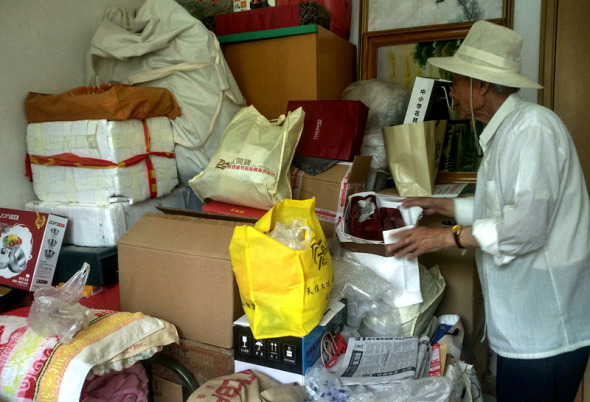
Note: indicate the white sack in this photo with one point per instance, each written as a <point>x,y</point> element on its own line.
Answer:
<point>164,46</point>
<point>91,225</point>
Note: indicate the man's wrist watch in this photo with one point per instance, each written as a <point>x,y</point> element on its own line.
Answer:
<point>456,231</point>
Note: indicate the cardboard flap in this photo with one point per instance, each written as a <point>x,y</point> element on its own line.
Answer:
<point>362,165</point>
<point>207,215</point>
<point>178,233</point>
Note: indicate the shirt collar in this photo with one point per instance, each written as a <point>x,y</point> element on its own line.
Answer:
<point>497,119</point>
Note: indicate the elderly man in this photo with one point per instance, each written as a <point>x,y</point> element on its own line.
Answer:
<point>529,223</point>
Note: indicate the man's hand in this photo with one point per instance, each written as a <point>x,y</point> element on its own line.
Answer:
<point>432,205</point>
<point>418,241</point>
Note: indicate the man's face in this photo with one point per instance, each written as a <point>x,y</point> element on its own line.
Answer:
<point>460,94</point>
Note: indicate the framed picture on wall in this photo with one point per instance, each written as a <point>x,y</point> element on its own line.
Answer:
<point>385,23</point>
<point>384,15</point>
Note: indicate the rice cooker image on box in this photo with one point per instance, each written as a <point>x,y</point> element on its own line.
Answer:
<point>29,247</point>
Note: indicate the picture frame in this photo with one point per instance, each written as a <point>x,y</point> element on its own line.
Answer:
<point>385,15</point>
<point>382,53</point>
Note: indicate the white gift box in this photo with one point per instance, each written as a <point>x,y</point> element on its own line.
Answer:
<point>121,153</point>
<point>91,225</point>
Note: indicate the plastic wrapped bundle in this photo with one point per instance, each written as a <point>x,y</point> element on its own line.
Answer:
<point>387,104</point>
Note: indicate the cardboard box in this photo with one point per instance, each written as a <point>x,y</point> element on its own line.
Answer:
<point>29,247</point>
<point>176,266</point>
<point>166,391</point>
<point>289,354</point>
<point>204,362</point>
<point>463,295</point>
<point>331,189</point>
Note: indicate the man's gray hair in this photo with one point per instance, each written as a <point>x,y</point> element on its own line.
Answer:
<point>503,89</point>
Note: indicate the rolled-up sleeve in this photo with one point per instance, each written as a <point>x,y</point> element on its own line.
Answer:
<point>463,210</point>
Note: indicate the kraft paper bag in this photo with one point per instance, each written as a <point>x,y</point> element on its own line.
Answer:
<point>413,154</point>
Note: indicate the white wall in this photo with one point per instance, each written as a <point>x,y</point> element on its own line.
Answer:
<point>42,49</point>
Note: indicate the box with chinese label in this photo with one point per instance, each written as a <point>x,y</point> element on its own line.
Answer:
<point>29,247</point>
<point>331,189</point>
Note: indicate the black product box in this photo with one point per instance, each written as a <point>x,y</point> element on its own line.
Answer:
<point>103,261</point>
<point>292,354</point>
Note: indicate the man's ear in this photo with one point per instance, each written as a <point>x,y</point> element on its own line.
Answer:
<point>483,87</point>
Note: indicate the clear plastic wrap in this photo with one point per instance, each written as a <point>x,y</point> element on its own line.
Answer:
<point>323,386</point>
<point>387,102</point>
<point>374,145</point>
<point>413,320</point>
<point>295,234</point>
<point>56,311</point>
<point>361,287</point>
<point>387,105</point>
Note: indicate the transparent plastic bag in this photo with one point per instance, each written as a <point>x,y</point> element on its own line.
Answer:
<point>56,311</point>
<point>296,234</point>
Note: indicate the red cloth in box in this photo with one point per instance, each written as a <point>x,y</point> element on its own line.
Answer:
<point>373,226</point>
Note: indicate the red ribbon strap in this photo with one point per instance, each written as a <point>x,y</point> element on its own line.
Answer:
<point>73,160</point>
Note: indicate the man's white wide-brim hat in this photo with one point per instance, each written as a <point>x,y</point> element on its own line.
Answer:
<point>491,53</point>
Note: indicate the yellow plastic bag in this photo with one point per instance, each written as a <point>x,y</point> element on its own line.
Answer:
<point>284,291</point>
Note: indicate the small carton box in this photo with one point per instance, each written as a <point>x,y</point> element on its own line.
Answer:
<point>331,189</point>
<point>176,266</point>
<point>29,247</point>
<point>204,362</point>
<point>286,357</point>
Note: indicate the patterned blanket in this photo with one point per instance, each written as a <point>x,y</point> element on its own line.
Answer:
<point>33,368</point>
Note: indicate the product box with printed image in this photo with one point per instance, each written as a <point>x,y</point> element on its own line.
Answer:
<point>29,247</point>
<point>331,189</point>
<point>286,359</point>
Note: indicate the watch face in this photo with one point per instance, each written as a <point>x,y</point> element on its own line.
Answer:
<point>456,229</point>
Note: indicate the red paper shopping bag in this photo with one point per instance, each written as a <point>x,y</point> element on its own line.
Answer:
<point>332,129</point>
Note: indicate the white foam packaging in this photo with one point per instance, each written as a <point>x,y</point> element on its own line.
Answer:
<point>91,225</point>
<point>108,141</point>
